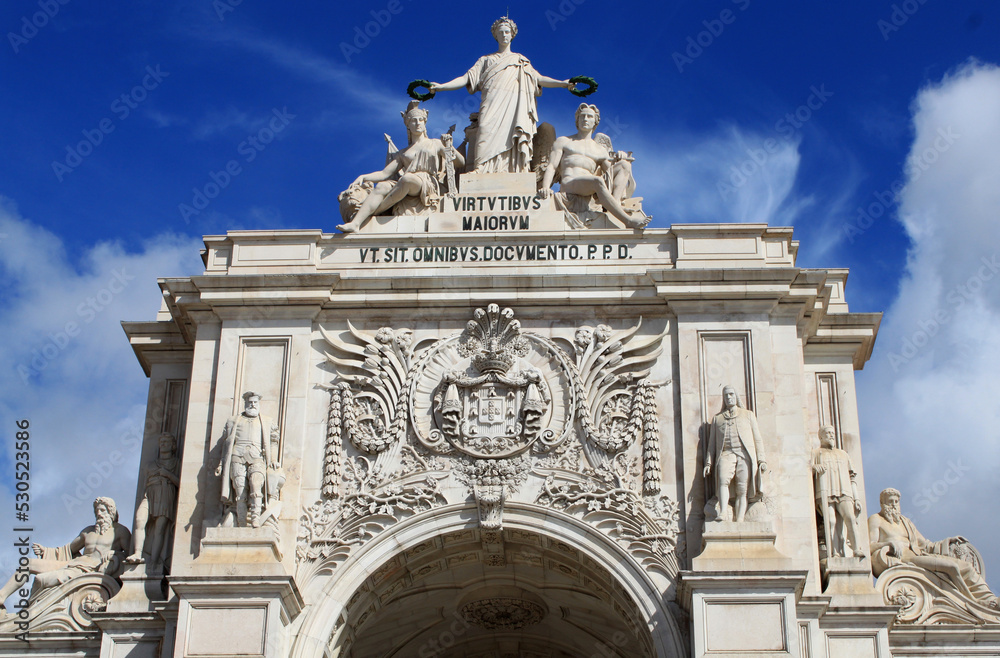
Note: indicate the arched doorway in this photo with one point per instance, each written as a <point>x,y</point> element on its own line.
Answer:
<point>428,587</point>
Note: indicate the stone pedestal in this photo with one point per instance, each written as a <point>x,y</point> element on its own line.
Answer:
<point>746,546</point>
<point>139,590</point>
<point>850,577</point>
<point>231,546</point>
<point>735,614</point>
<point>235,615</point>
<point>237,584</point>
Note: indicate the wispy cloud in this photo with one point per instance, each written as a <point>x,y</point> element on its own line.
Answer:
<point>366,96</point>
<point>221,122</point>
<point>726,177</point>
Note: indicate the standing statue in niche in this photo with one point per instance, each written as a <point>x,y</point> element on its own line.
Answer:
<point>507,111</point>
<point>101,547</point>
<point>895,540</point>
<point>250,451</point>
<point>410,182</point>
<point>158,507</point>
<point>581,165</point>
<point>736,450</point>
<point>837,495</point>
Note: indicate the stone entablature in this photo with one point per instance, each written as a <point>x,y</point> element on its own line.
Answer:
<point>699,246</point>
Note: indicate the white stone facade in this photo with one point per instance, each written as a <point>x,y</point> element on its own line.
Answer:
<point>579,531</point>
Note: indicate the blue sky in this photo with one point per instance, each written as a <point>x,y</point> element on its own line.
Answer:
<point>114,113</point>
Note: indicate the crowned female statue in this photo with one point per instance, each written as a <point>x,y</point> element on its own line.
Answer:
<point>508,114</point>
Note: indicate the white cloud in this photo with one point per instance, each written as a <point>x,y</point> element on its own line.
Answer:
<point>930,416</point>
<point>68,368</point>
<point>734,176</point>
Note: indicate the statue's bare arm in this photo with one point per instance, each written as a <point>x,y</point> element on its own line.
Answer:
<point>546,81</point>
<point>555,158</point>
<point>378,176</point>
<point>458,83</point>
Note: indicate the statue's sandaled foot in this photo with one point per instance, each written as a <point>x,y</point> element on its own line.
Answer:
<point>135,558</point>
<point>347,228</point>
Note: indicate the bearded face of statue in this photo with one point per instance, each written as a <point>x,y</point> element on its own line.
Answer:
<point>251,407</point>
<point>827,437</point>
<point>104,519</point>
<point>890,508</point>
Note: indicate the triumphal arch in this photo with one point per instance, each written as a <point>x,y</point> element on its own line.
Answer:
<point>490,418</point>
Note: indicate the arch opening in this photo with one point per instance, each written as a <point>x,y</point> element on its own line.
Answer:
<point>556,588</point>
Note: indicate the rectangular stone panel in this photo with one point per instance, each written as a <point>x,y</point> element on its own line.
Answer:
<point>725,360</point>
<point>734,626</point>
<point>852,647</point>
<point>274,253</point>
<point>728,246</point>
<point>174,408</point>
<point>263,368</point>
<point>136,649</point>
<point>215,631</point>
<point>829,410</point>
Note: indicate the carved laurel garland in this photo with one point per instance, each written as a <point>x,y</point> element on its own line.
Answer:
<point>331,457</point>
<point>651,471</point>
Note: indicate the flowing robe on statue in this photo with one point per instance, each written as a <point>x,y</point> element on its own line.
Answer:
<point>920,545</point>
<point>508,114</point>
<point>424,162</point>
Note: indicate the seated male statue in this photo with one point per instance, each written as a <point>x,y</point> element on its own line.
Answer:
<point>98,548</point>
<point>895,540</point>
<point>579,163</point>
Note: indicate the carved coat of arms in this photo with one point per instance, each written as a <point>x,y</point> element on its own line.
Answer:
<point>497,405</point>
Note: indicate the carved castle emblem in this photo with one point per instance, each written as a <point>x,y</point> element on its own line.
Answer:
<point>497,405</point>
